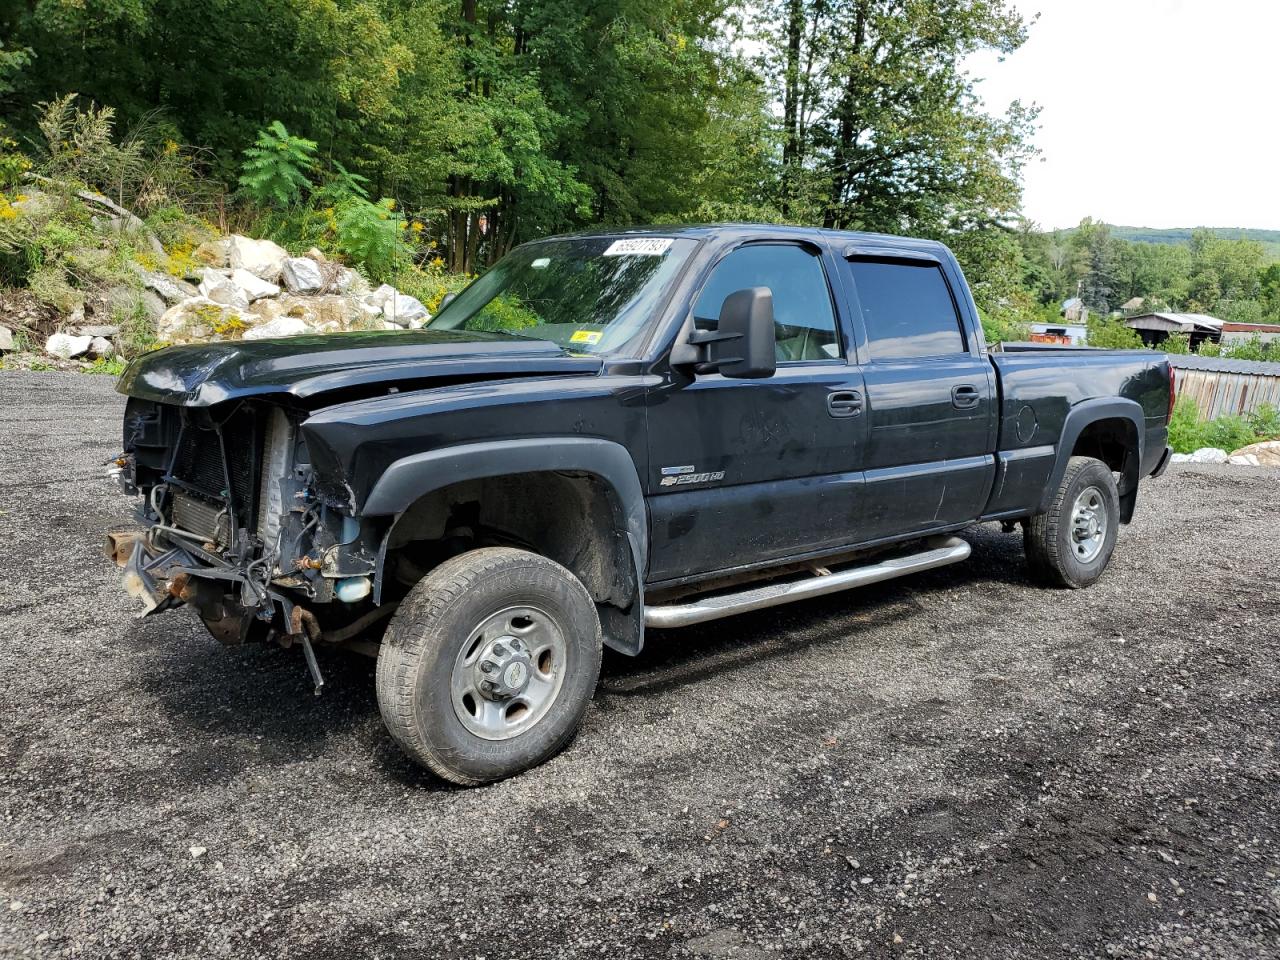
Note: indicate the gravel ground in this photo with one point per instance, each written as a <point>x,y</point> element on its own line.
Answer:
<point>960,764</point>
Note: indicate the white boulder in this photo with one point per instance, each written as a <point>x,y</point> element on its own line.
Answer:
<point>218,286</point>
<point>253,287</point>
<point>98,330</point>
<point>199,318</point>
<point>1244,460</point>
<point>351,283</point>
<point>1209,455</point>
<point>302,275</point>
<point>214,253</point>
<point>170,289</point>
<point>6,339</point>
<point>67,346</point>
<point>101,347</point>
<point>1267,452</point>
<point>405,310</point>
<point>380,296</point>
<point>262,258</point>
<point>283,326</point>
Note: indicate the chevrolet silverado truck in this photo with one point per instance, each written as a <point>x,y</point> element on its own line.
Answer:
<point>607,433</point>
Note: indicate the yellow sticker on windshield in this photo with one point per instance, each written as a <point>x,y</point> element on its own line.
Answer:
<point>589,337</point>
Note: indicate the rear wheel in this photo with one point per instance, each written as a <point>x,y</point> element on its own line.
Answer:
<point>489,664</point>
<point>1070,544</point>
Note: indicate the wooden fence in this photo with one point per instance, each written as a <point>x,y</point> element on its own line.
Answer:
<point>1221,386</point>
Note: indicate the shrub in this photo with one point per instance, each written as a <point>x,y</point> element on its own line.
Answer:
<point>13,163</point>
<point>1229,432</point>
<point>1111,334</point>
<point>1185,431</point>
<point>275,168</point>
<point>1188,433</point>
<point>428,284</point>
<point>372,235</point>
<point>1002,327</point>
<point>1265,422</point>
<point>1178,343</point>
<point>108,366</point>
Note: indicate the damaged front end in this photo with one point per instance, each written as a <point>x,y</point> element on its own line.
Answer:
<point>236,524</point>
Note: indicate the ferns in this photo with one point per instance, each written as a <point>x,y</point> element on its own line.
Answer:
<point>372,235</point>
<point>276,166</point>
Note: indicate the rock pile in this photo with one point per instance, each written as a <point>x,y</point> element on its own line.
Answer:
<point>1263,454</point>
<point>253,289</point>
<point>242,289</point>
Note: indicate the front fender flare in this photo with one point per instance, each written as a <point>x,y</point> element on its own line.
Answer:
<point>412,477</point>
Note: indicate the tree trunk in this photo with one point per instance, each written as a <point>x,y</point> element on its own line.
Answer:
<point>842,155</point>
<point>791,89</point>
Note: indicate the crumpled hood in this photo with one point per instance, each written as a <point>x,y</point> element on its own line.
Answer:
<point>201,375</point>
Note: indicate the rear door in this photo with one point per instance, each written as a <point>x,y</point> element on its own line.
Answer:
<point>931,406</point>
<point>746,471</point>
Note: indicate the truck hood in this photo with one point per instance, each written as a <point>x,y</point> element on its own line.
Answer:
<point>306,367</point>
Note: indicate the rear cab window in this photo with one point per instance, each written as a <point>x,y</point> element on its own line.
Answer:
<point>907,310</point>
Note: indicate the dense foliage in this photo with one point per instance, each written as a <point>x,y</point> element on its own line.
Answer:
<point>1229,432</point>
<point>1232,279</point>
<point>421,139</point>
<point>493,121</point>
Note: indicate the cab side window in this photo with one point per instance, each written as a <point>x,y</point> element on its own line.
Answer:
<point>907,309</point>
<point>804,320</point>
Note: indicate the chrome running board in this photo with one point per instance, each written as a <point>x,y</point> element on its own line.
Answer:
<point>941,552</point>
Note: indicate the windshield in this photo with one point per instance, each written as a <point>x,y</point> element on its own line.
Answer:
<point>587,294</point>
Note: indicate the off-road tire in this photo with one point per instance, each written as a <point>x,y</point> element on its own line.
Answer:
<point>1047,537</point>
<point>422,644</point>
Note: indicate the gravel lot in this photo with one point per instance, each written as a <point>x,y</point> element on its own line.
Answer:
<point>960,764</point>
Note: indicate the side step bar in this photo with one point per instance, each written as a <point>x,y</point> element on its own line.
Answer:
<point>941,551</point>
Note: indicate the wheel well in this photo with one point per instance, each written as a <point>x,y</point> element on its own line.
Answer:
<point>572,518</point>
<point>1114,441</point>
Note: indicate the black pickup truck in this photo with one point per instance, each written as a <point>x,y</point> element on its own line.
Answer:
<point>605,433</point>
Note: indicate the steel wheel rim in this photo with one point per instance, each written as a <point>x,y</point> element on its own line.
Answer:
<point>526,656</point>
<point>1088,524</point>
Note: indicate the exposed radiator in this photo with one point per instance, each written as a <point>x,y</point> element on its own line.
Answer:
<point>205,520</point>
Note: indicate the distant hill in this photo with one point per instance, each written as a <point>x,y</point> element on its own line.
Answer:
<point>1270,239</point>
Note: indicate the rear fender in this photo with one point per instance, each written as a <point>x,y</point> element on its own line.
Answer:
<point>1081,417</point>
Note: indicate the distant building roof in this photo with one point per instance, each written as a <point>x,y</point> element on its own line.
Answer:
<point>1193,361</point>
<point>1175,322</point>
<point>1070,302</point>
<point>1134,303</point>
<point>1251,328</point>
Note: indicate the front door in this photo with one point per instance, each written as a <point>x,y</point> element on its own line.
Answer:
<point>746,471</point>
<point>930,401</point>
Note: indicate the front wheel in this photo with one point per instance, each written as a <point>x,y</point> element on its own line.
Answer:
<point>488,666</point>
<point>1071,544</point>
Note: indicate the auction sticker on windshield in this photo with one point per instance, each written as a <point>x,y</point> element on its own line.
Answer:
<point>639,247</point>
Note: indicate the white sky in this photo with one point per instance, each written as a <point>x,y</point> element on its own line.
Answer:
<point>1155,113</point>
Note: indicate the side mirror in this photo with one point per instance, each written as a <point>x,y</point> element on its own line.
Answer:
<point>447,299</point>
<point>742,345</point>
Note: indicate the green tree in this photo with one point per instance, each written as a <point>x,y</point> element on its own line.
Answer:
<point>881,128</point>
<point>1111,334</point>
<point>1094,265</point>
